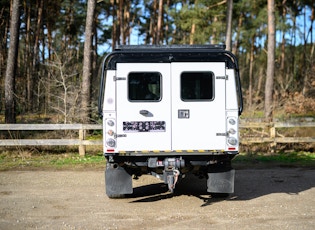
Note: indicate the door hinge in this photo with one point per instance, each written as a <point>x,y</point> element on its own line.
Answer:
<point>221,134</point>
<point>119,78</point>
<point>222,77</point>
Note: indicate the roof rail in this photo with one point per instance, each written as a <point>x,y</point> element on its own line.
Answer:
<point>165,47</point>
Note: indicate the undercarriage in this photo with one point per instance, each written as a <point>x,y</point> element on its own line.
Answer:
<point>217,169</point>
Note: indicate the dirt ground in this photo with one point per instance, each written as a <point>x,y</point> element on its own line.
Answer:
<point>274,198</point>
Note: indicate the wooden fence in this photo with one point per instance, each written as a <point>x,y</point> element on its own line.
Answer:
<point>251,132</point>
<point>79,141</point>
<point>278,132</point>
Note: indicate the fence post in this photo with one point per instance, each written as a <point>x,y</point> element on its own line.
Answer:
<point>81,138</point>
<point>273,136</point>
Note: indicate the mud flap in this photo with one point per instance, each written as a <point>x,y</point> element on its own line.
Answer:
<point>221,182</point>
<point>117,181</point>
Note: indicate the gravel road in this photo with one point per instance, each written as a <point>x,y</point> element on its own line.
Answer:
<point>275,198</point>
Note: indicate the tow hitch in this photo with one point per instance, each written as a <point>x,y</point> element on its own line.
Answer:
<point>171,171</point>
<point>172,178</point>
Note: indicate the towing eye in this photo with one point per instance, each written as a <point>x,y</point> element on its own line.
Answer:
<point>172,180</point>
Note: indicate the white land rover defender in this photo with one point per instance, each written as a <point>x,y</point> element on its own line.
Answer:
<point>168,111</point>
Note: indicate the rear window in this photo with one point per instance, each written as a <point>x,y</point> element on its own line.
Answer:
<point>144,86</point>
<point>197,86</point>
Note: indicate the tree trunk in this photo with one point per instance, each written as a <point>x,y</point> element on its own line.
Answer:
<point>238,33</point>
<point>121,22</point>
<point>308,64</point>
<point>259,84</point>
<point>192,33</point>
<point>115,33</point>
<point>270,62</point>
<point>10,116</point>
<point>87,61</point>
<point>48,84</point>
<point>27,53</point>
<point>159,23</point>
<point>251,68</point>
<point>152,30</point>
<point>126,22</point>
<point>3,57</point>
<point>228,40</point>
<point>34,68</point>
<point>283,43</point>
<point>214,32</point>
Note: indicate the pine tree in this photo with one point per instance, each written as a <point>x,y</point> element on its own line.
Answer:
<point>10,115</point>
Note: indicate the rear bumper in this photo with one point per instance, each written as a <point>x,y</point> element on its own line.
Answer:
<point>192,153</point>
<point>143,159</point>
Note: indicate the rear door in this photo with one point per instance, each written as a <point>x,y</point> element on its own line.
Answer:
<point>143,106</point>
<point>198,106</point>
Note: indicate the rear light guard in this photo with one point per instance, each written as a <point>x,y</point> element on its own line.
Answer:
<point>232,140</point>
<point>110,132</point>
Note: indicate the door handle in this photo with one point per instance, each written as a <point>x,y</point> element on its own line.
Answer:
<point>146,113</point>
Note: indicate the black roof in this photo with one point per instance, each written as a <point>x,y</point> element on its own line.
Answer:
<point>168,54</point>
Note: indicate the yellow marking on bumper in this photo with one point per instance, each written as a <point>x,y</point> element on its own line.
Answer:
<point>174,151</point>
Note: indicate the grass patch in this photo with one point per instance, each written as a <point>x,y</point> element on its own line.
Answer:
<point>27,161</point>
<point>287,159</point>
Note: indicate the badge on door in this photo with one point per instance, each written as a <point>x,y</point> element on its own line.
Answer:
<point>183,113</point>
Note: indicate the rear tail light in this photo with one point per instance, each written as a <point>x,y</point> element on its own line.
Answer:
<point>232,121</point>
<point>110,128</point>
<point>110,122</point>
<point>232,133</point>
<point>110,132</point>
<point>232,141</point>
<point>110,142</point>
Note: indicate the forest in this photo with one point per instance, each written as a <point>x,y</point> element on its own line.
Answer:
<point>51,50</point>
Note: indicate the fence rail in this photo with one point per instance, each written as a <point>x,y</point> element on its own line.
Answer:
<point>269,132</point>
<point>80,141</point>
<point>251,132</point>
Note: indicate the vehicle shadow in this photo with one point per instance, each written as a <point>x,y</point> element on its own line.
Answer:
<point>249,184</point>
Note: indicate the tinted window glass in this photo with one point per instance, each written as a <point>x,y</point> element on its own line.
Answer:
<point>197,86</point>
<point>144,86</point>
